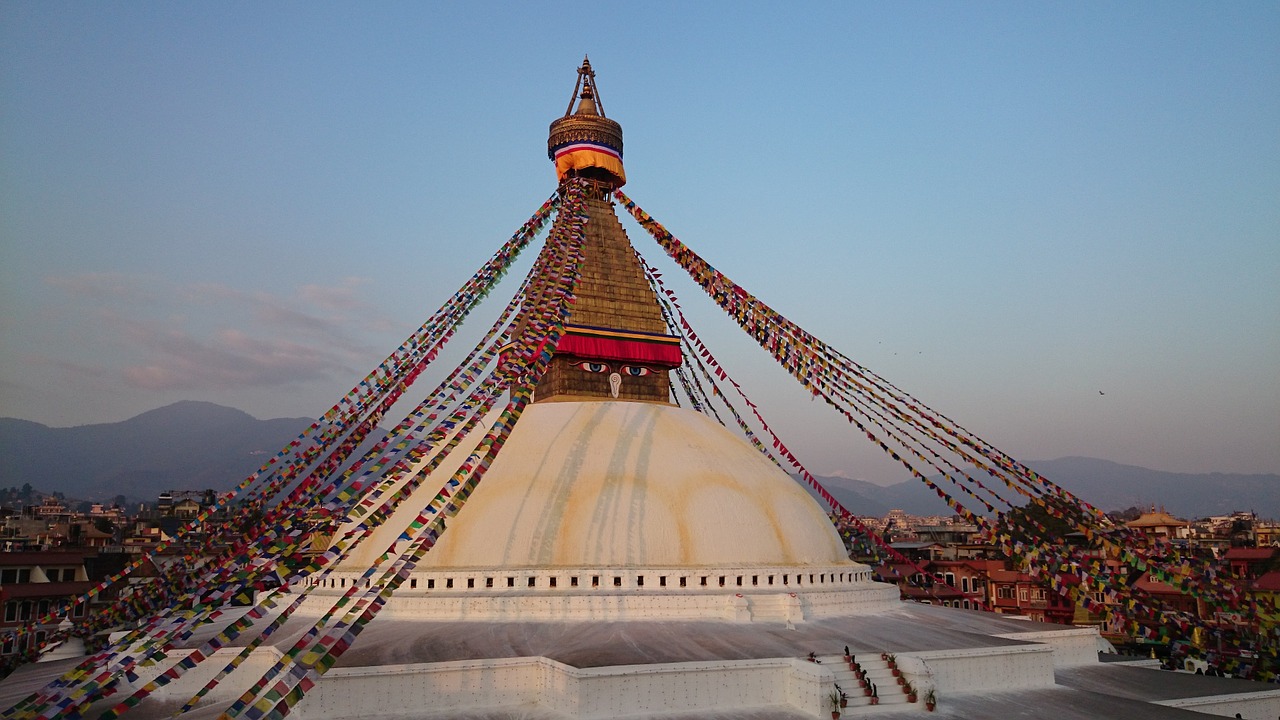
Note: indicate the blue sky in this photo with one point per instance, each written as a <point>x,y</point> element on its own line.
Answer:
<point>1003,208</point>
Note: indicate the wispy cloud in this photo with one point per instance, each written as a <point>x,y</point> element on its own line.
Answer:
<point>230,359</point>
<point>158,335</point>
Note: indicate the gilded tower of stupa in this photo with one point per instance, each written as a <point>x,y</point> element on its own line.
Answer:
<point>615,343</point>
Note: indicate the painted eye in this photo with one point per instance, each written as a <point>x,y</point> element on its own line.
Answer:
<point>594,367</point>
<point>635,370</point>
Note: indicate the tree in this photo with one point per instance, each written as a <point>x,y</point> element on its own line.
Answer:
<point>1021,523</point>
<point>1132,513</point>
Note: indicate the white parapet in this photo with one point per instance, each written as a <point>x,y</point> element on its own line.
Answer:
<point>739,594</point>
<point>438,689</point>
<point>999,668</point>
<point>1072,646</point>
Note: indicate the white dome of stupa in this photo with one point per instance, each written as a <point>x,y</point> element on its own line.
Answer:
<point>625,484</point>
<point>623,509</point>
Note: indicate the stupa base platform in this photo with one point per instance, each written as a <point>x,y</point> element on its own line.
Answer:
<point>981,666</point>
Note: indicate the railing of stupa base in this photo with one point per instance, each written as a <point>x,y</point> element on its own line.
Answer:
<point>888,416</point>
<point>607,579</point>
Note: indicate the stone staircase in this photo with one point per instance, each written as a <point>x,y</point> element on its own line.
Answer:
<point>877,672</point>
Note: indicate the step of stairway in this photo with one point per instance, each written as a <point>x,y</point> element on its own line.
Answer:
<point>892,698</point>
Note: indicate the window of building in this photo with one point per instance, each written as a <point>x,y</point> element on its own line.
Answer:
<point>951,579</point>
<point>1004,592</point>
<point>964,584</point>
<point>11,611</point>
<point>1022,594</point>
<point>10,576</point>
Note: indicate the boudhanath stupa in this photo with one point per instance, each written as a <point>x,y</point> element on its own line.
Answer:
<point>628,557</point>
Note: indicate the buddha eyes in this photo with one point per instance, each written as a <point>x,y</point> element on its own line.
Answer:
<point>628,370</point>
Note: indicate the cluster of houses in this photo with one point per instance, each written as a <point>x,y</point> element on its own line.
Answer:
<point>52,554</point>
<point>946,563</point>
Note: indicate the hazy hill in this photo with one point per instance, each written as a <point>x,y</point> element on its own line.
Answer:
<point>197,445</point>
<point>187,445</point>
<point>1104,484</point>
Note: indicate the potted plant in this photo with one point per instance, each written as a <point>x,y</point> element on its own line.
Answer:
<point>930,700</point>
<point>844,700</point>
<point>834,700</point>
<point>875,696</point>
<point>910,691</point>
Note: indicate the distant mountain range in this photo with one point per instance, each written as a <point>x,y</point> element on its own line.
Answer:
<point>1104,484</point>
<point>185,446</point>
<point>197,445</point>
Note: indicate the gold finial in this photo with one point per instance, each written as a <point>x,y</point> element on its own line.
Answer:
<point>585,89</point>
<point>586,143</point>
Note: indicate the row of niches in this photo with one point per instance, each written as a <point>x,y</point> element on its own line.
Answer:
<point>608,581</point>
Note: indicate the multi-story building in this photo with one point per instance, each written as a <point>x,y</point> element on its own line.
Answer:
<point>1017,593</point>
<point>32,586</point>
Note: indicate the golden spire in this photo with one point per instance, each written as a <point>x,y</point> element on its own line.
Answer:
<point>585,143</point>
